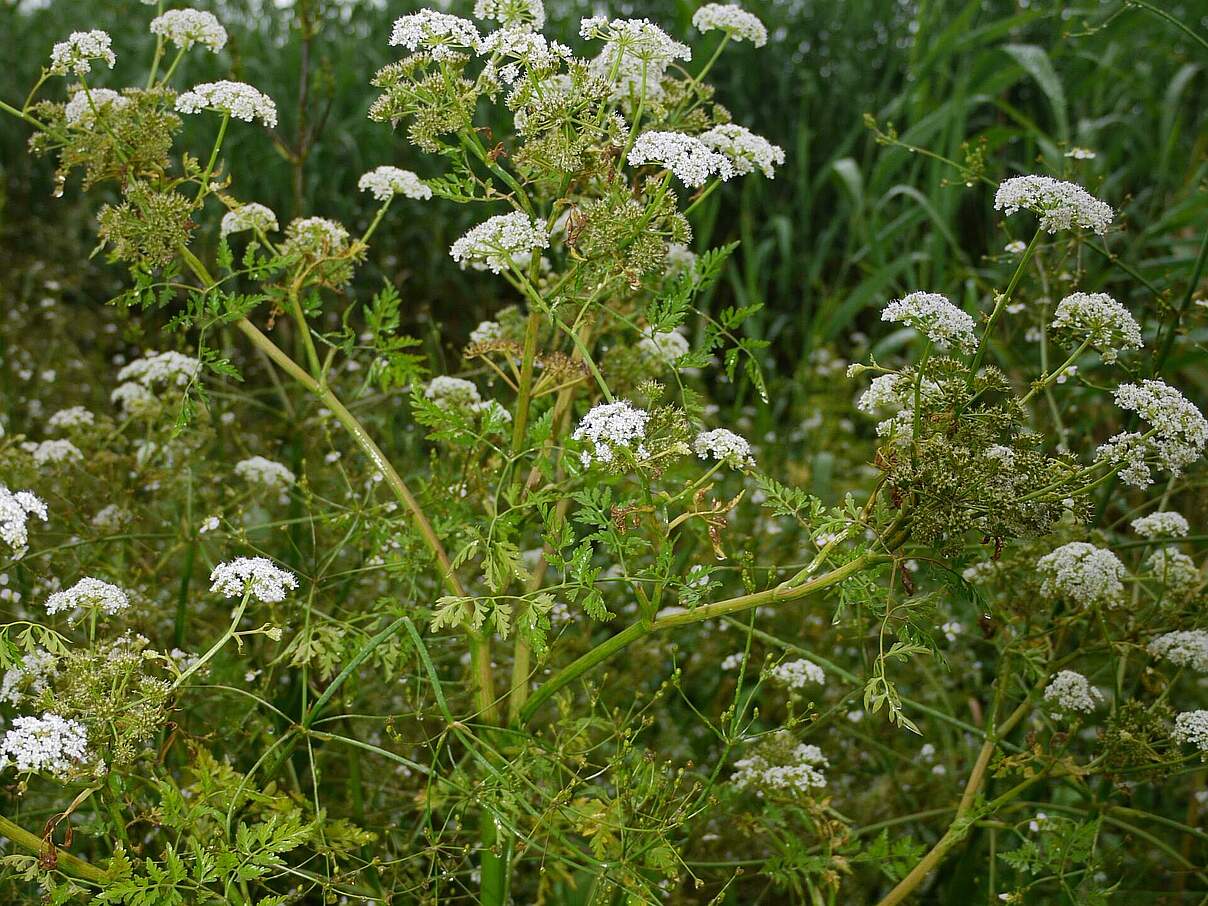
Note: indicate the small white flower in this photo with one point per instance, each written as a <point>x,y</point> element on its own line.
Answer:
<point>48,743</point>
<point>610,426</point>
<point>83,107</point>
<point>932,315</point>
<point>687,157</point>
<point>250,216</point>
<point>1071,691</point>
<point>186,27</point>
<point>512,12</point>
<point>1181,431</point>
<point>1085,574</point>
<point>89,592</point>
<point>1164,523</point>
<point>237,99</point>
<point>497,242</point>
<point>161,368</point>
<point>1173,568</point>
<point>452,392</point>
<point>55,452</point>
<point>735,21</point>
<point>15,509</point>
<point>257,576</point>
<point>1183,648</point>
<point>265,472</point>
<point>315,237</point>
<point>1060,205</point>
<point>209,524</point>
<point>680,260</point>
<point>384,183</point>
<point>1016,247</point>
<point>1102,320</point>
<point>486,332</point>
<point>439,33</point>
<point>747,151</point>
<point>73,417</point>
<point>724,446</point>
<point>1192,727</point>
<point>76,54</point>
<point>798,674</point>
<point>665,348</point>
<point>1080,154</point>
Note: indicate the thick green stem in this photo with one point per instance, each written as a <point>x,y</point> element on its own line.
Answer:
<point>65,862</point>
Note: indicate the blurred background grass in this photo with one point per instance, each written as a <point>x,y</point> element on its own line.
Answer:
<point>846,224</point>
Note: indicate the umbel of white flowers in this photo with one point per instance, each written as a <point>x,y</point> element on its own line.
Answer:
<point>1083,573</point>
<point>49,743</point>
<point>89,593</point>
<point>15,509</point>
<point>255,576</point>
<point>1071,691</point>
<point>1060,205</point>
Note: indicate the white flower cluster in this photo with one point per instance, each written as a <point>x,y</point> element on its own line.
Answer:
<point>186,27</point>
<point>636,54</point>
<point>439,33</point>
<point>686,156</point>
<point>452,392</point>
<point>48,743</point>
<point>1183,648</point>
<point>609,426</point>
<point>680,260</point>
<point>731,18</point>
<point>1181,430</point>
<point>1102,320</point>
<point>257,576</point>
<point>1085,574</point>
<point>161,368</point>
<point>486,332</point>
<point>15,509</point>
<point>512,12</point>
<point>724,446</point>
<point>265,472</point>
<point>28,677</point>
<point>71,417</point>
<point>497,242</point>
<point>801,775</point>
<point>55,452</point>
<point>935,317</point>
<point>85,104</point>
<point>1071,691</point>
<point>1162,524</point>
<point>747,151</point>
<point>1173,568</point>
<point>1192,727</point>
<point>798,674</point>
<point>76,54</point>
<point>664,347</point>
<point>315,236</point>
<point>89,593</point>
<point>1060,205</point>
<point>519,44</point>
<point>238,99</point>
<point>383,183</point>
<point>250,216</point>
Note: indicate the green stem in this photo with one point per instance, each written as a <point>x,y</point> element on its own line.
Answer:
<point>776,595</point>
<point>1000,303</point>
<point>217,646</point>
<point>479,644</point>
<point>66,862</point>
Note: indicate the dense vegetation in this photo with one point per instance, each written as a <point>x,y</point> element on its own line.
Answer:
<point>526,458</point>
